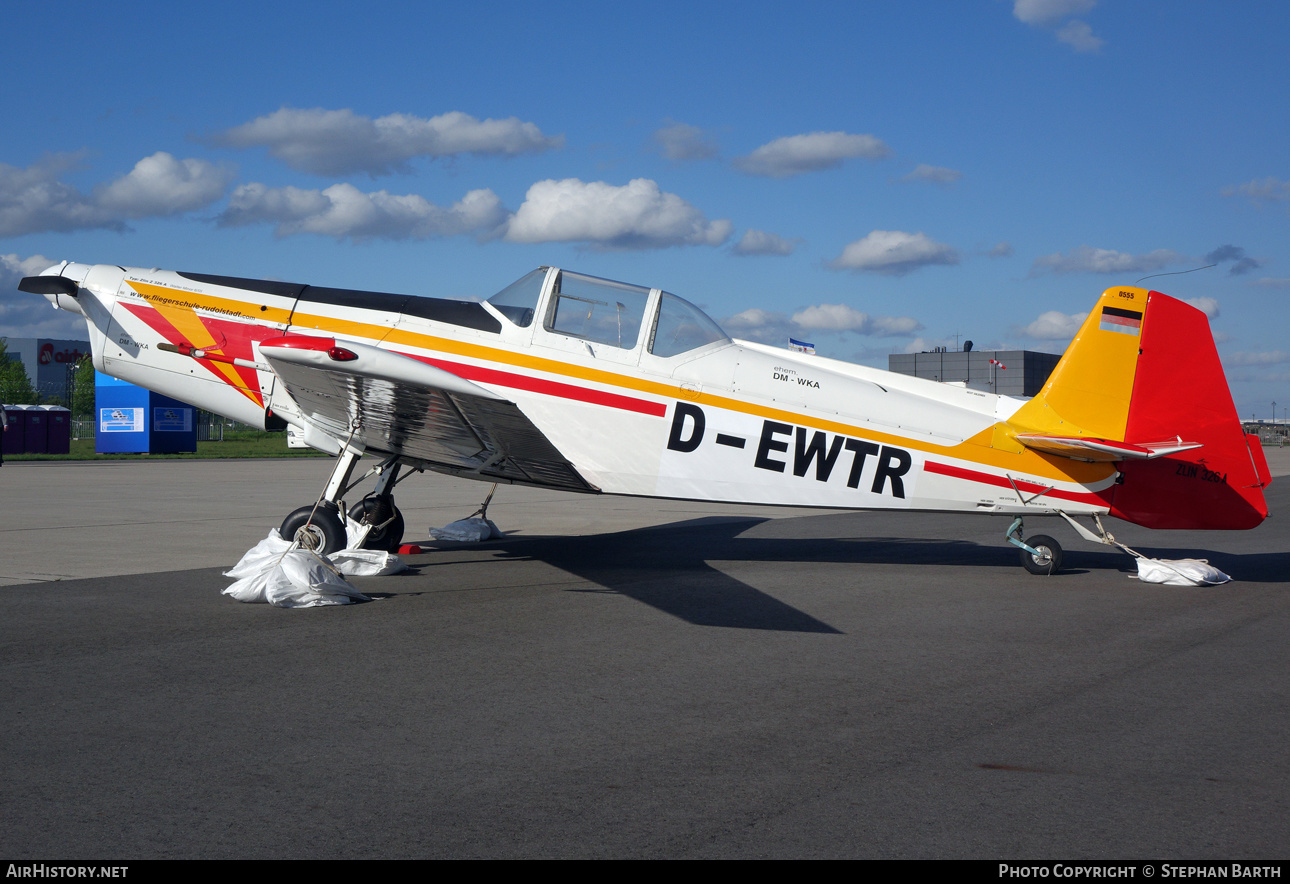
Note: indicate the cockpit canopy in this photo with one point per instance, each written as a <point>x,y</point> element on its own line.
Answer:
<point>608,313</point>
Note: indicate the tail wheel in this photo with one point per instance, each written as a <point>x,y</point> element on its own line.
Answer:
<point>323,532</point>
<point>385,516</point>
<point>1049,560</point>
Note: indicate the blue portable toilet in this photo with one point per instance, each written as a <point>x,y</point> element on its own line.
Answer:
<point>58,429</point>
<point>138,421</point>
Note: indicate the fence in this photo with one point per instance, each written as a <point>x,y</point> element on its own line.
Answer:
<point>210,427</point>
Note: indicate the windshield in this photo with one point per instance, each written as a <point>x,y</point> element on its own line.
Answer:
<point>682,327</point>
<point>598,309</point>
<point>519,299</point>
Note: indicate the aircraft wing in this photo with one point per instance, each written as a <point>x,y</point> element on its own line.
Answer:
<point>1105,450</point>
<point>407,407</point>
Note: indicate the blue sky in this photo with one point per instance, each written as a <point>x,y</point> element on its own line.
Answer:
<point>871,177</point>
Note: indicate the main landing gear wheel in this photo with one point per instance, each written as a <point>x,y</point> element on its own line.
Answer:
<point>1049,560</point>
<point>387,532</point>
<point>323,533</point>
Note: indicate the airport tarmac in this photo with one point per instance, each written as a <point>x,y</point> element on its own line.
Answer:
<point>627,678</point>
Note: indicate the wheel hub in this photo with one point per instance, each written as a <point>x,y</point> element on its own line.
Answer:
<point>310,537</point>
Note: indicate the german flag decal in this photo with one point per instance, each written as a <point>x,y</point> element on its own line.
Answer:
<point>1126,322</point>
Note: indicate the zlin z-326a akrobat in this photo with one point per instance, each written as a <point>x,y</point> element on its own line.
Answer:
<point>568,381</point>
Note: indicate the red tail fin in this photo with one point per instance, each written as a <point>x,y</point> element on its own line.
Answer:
<point>1179,389</point>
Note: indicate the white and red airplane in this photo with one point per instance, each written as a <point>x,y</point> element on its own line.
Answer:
<point>568,381</point>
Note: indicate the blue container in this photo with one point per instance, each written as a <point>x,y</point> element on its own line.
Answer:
<point>134,420</point>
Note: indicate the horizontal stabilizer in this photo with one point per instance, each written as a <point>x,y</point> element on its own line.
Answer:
<point>1102,450</point>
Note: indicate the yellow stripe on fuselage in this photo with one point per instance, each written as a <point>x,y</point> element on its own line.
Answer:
<point>977,450</point>
<point>183,316</point>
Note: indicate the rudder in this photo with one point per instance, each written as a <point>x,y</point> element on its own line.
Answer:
<point>1179,389</point>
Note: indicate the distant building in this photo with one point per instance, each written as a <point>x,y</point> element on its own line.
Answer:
<point>1022,375</point>
<point>47,361</point>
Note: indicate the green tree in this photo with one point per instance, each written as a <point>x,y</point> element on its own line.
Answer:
<point>83,388</point>
<point>15,386</point>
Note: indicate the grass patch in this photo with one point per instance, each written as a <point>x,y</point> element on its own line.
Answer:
<point>237,443</point>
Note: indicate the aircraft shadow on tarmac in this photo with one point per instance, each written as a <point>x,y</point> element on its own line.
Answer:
<point>667,567</point>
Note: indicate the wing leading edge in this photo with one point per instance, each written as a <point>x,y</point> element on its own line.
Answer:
<point>405,407</point>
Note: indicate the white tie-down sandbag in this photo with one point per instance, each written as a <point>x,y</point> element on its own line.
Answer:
<point>275,572</point>
<point>367,562</point>
<point>304,579</point>
<point>471,530</point>
<point>252,572</point>
<point>1180,572</point>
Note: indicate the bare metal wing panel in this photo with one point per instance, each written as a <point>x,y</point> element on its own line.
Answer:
<point>405,407</point>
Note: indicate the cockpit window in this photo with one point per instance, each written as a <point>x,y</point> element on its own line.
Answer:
<point>682,327</point>
<point>598,309</point>
<point>519,299</point>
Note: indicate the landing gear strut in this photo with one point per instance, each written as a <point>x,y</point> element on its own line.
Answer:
<point>378,513</point>
<point>1040,554</point>
<point>321,527</point>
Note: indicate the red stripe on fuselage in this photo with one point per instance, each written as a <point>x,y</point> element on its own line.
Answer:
<point>235,339</point>
<point>548,388</point>
<point>1002,482</point>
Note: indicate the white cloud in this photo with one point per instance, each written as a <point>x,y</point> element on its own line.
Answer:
<point>681,141</point>
<point>340,142</point>
<point>1054,326</point>
<point>927,345</point>
<point>832,317</point>
<point>1048,12</point>
<point>637,215</point>
<point>343,210</point>
<point>1208,306</point>
<point>771,327</point>
<point>33,200</point>
<point>163,185</point>
<point>1271,282</point>
<point>759,242</point>
<point>765,326</point>
<point>1002,250</point>
<point>934,174</point>
<point>1079,36</point>
<point>1270,357</point>
<point>13,268</point>
<point>1089,260</point>
<point>893,253</point>
<point>813,152</point>
<point>1262,190</point>
<point>895,326</point>
<point>843,318</point>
